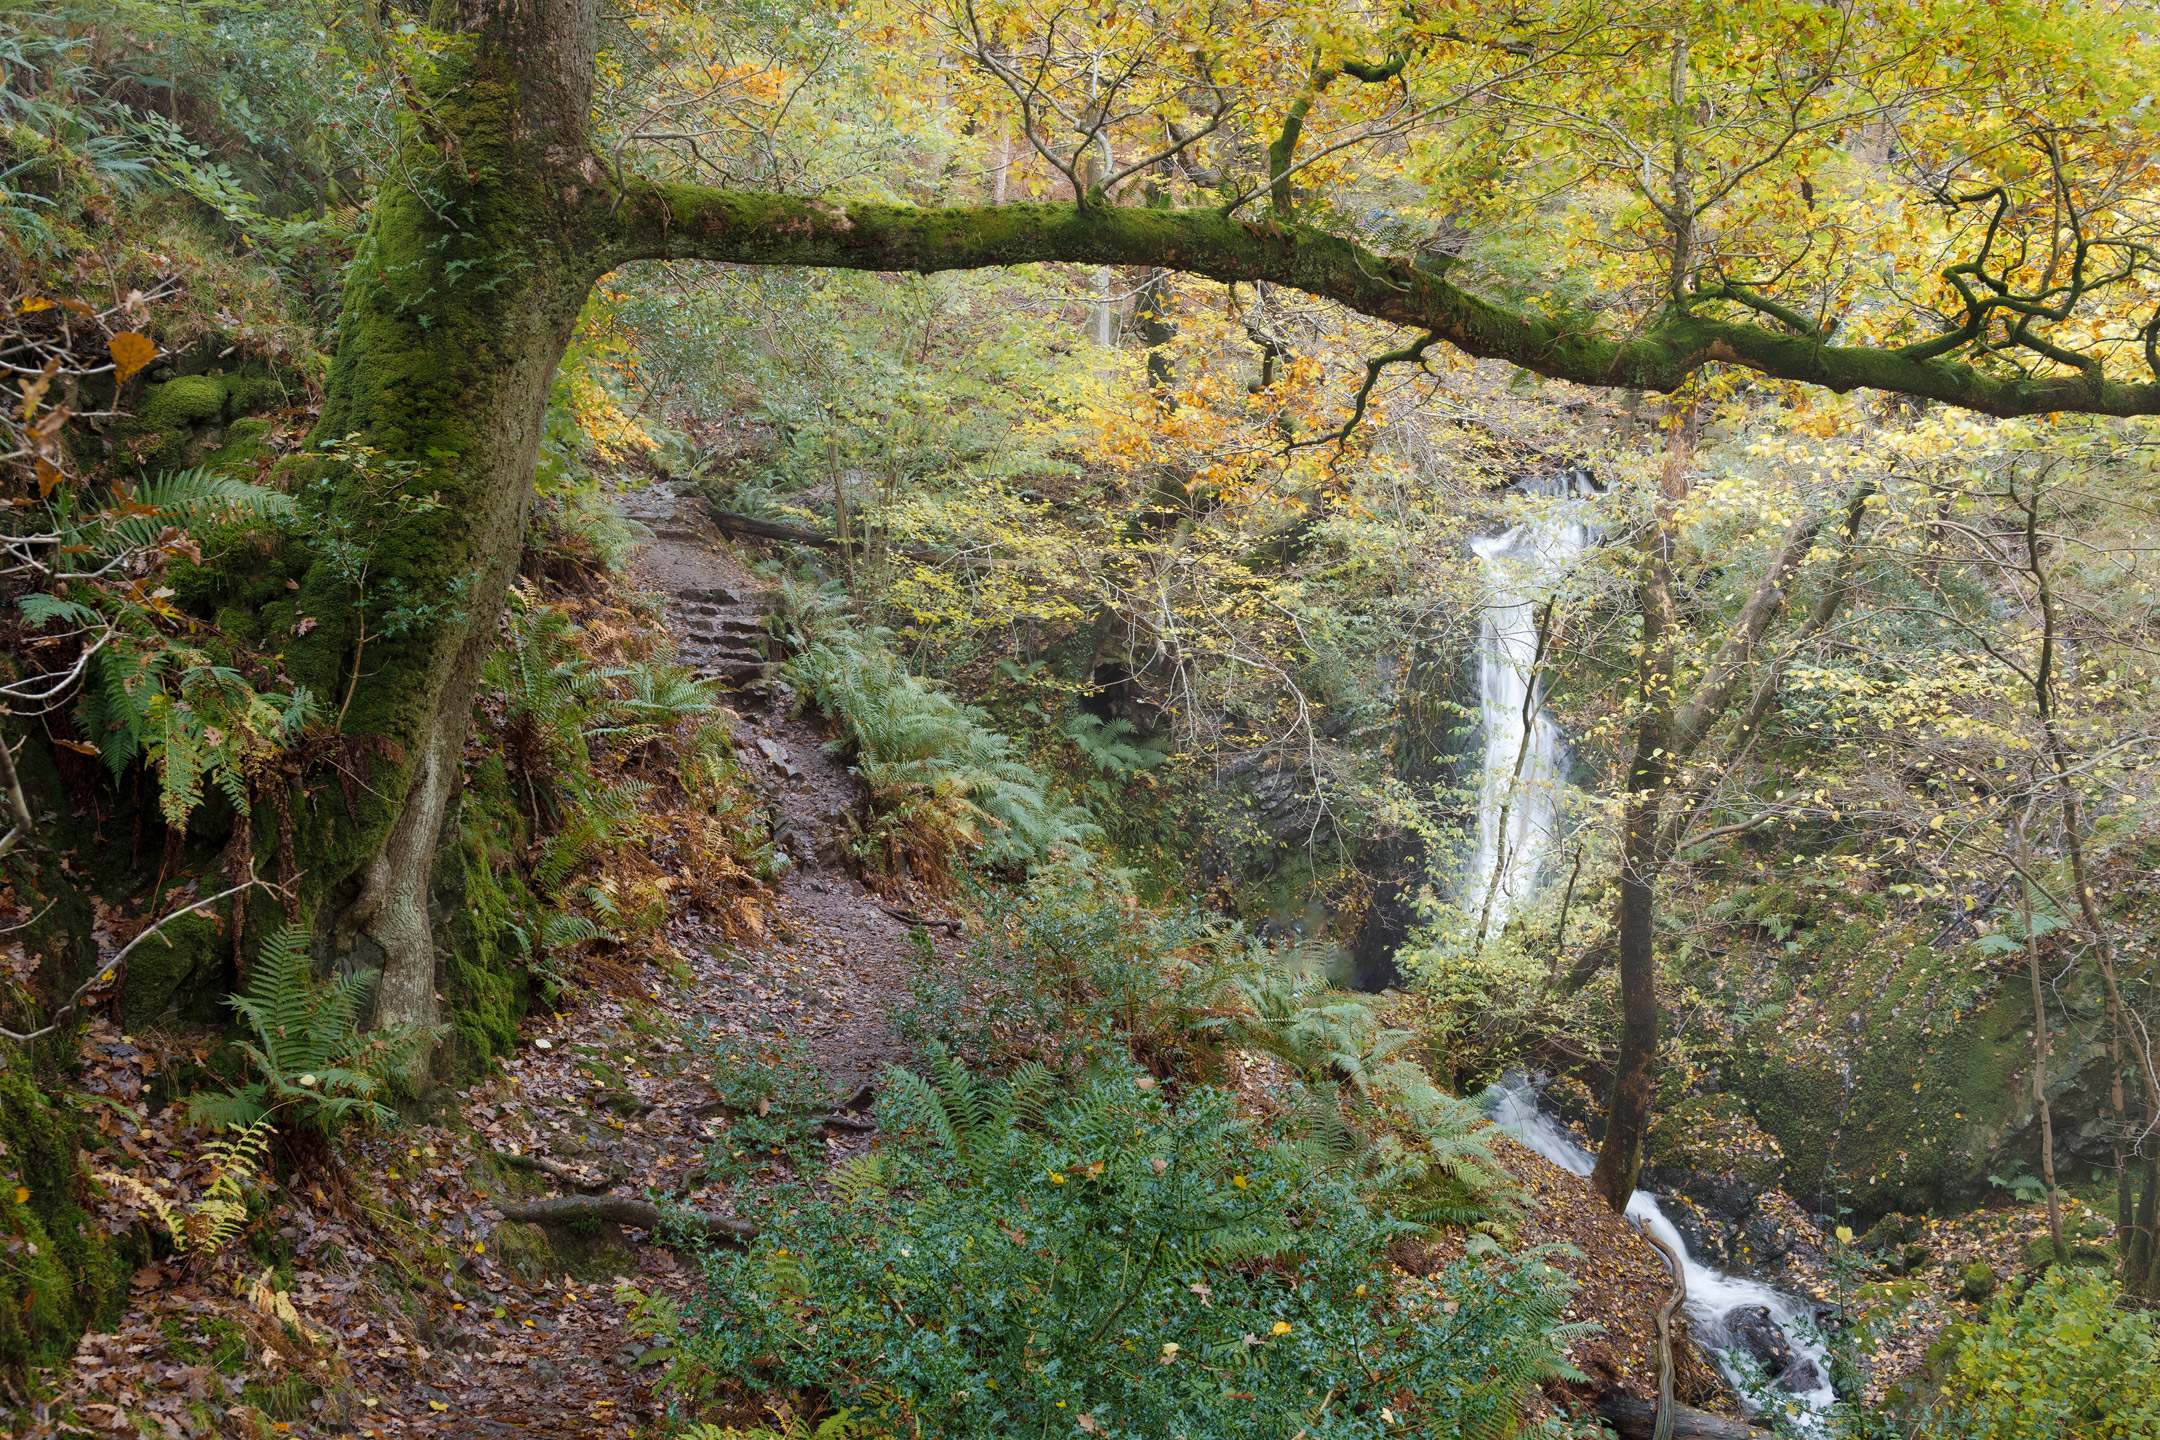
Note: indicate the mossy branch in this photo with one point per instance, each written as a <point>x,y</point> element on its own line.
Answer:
<point>692,222</point>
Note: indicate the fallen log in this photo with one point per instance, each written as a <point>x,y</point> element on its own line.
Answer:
<point>756,529</point>
<point>638,1214</point>
<point>1633,1419</point>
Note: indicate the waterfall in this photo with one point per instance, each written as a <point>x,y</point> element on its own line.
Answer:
<point>1714,1299</point>
<point>1519,791</point>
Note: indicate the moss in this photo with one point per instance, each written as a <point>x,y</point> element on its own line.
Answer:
<point>183,972</point>
<point>243,444</point>
<point>1715,1134</point>
<point>63,1272</point>
<point>200,419</point>
<point>1891,1080</point>
<point>485,982</point>
<point>524,1251</point>
<point>184,400</point>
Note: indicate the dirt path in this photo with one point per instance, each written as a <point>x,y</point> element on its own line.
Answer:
<point>608,1101</point>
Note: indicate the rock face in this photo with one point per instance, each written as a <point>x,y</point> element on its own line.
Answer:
<point>1752,1331</point>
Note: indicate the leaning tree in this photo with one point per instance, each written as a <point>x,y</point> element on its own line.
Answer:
<point>508,201</point>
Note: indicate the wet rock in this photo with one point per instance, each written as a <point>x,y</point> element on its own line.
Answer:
<point>1755,1331</point>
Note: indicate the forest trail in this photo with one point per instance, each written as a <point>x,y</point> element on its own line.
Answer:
<point>614,1098</point>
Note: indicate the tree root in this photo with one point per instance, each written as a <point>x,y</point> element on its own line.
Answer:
<point>638,1214</point>
<point>570,1175</point>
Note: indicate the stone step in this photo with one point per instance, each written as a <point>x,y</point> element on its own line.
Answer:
<point>716,655</point>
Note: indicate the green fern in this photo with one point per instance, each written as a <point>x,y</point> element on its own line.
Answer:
<point>189,499</point>
<point>942,783</point>
<point>1104,744</point>
<point>314,1067</point>
<point>1416,1152</point>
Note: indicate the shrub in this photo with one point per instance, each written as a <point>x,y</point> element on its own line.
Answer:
<point>1415,1151</point>
<point>775,1097</point>
<point>1022,1264</point>
<point>1069,972</point>
<point>2062,1362</point>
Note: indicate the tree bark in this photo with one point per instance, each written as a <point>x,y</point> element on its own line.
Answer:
<point>1665,735</point>
<point>2040,1041</point>
<point>692,222</point>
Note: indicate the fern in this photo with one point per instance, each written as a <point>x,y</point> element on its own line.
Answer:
<point>1104,745</point>
<point>942,783</point>
<point>1414,1151</point>
<point>189,499</point>
<point>209,1223</point>
<point>313,1065</point>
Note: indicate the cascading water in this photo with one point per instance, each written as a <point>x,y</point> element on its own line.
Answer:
<point>1715,1300</point>
<point>1518,802</point>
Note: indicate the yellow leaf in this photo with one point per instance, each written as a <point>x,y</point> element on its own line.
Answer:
<point>36,302</point>
<point>437,1405</point>
<point>22,1196</point>
<point>130,353</point>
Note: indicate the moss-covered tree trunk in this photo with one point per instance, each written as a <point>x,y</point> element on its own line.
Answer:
<point>464,297</point>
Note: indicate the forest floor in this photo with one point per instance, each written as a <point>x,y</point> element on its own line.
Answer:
<point>408,1309</point>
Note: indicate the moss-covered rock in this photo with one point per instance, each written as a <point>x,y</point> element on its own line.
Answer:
<point>1890,1080</point>
<point>524,1251</point>
<point>1714,1134</point>
<point>196,419</point>
<point>181,973</point>
<point>63,1272</point>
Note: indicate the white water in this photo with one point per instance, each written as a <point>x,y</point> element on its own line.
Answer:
<point>1521,774</point>
<point>1712,1295</point>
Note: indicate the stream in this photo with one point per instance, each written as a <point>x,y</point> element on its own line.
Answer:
<point>1519,815</point>
<point>1720,1305</point>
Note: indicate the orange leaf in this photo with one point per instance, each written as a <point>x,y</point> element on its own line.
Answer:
<point>80,747</point>
<point>130,352</point>
<point>48,475</point>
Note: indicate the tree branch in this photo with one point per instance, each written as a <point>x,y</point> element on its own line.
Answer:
<point>693,222</point>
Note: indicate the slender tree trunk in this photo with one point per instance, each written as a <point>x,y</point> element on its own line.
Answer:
<point>2040,1041</point>
<point>2139,1271</point>
<point>1627,1115</point>
<point>1667,732</point>
<point>2133,1229</point>
<point>1004,168</point>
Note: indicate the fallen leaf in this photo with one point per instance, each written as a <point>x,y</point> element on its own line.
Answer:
<point>130,353</point>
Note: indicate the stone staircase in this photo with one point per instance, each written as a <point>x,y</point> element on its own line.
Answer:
<point>716,607</point>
